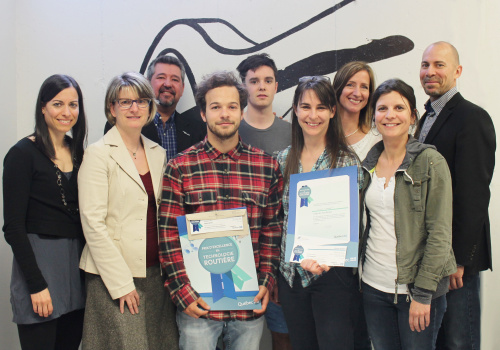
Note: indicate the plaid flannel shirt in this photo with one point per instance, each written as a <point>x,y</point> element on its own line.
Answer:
<point>202,179</point>
<point>167,134</point>
<point>288,269</point>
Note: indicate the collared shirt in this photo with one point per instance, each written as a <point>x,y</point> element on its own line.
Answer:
<point>288,269</point>
<point>167,134</point>
<point>433,109</point>
<point>203,179</point>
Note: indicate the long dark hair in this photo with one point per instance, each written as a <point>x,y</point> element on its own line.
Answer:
<point>49,89</point>
<point>346,72</point>
<point>335,141</point>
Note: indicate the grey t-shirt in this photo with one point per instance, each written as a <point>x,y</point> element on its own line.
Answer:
<point>273,139</point>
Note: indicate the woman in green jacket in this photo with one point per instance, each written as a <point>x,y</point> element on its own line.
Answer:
<point>406,254</point>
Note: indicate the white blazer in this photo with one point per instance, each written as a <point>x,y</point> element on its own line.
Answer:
<point>113,209</point>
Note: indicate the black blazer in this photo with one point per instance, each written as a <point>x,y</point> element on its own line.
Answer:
<point>464,134</point>
<point>190,129</point>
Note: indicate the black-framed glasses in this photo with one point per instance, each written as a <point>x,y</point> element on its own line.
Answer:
<point>313,78</point>
<point>126,103</point>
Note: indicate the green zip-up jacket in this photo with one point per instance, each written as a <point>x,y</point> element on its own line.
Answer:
<point>422,215</point>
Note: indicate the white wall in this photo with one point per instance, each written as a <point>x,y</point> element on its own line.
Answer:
<point>94,40</point>
<point>8,136</point>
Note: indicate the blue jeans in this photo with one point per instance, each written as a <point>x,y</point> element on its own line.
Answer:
<point>461,328</point>
<point>202,333</point>
<point>388,325</point>
<point>275,318</point>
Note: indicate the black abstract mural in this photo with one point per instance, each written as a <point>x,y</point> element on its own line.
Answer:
<point>320,63</point>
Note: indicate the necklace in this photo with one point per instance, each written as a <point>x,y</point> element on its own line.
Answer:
<point>134,154</point>
<point>72,209</point>
<point>352,133</point>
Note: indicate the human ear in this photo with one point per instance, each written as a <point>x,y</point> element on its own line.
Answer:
<point>203,116</point>
<point>458,72</point>
<point>112,109</point>
<point>334,109</point>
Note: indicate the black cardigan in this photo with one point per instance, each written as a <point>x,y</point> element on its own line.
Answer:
<point>32,204</point>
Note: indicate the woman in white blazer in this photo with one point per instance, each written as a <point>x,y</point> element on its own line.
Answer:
<point>119,191</point>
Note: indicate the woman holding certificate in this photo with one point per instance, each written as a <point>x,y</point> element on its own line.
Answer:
<point>316,305</point>
<point>406,254</point>
<point>119,181</point>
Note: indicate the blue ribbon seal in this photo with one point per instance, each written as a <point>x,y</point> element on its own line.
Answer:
<point>219,256</point>
<point>304,194</point>
<point>298,251</point>
<point>196,225</point>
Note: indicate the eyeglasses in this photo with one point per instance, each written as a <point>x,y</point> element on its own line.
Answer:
<point>313,78</point>
<point>126,103</point>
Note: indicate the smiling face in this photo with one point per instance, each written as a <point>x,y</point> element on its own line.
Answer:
<point>223,114</point>
<point>393,116</point>
<point>261,86</point>
<point>313,116</point>
<point>356,93</point>
<point>132,118</point>
<point>61,113</point>
<point>167,84</point>
<point>439,70</point>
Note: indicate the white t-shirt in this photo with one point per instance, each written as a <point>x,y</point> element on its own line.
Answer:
<point>365,144</point>
<point>379,268</point>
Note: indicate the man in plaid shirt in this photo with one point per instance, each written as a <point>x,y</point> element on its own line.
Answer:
<point>220,173</point>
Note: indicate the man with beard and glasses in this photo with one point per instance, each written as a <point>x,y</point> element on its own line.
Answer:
<point>220,173</point>
<point>464,134</point>
<point>172,131</point>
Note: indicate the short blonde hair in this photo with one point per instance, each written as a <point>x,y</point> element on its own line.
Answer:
<point>129,80</point>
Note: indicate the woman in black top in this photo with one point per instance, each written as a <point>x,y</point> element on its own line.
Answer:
<point>42,222</point>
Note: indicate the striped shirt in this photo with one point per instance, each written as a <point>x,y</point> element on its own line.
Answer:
<point>202,179</point>
<point>167,134</point>
<point>288,269</point>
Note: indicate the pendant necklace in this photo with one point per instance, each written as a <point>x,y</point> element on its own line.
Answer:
<point>134,154</point>
<point>352,133</point>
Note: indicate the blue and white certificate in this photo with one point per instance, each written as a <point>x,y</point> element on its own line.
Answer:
<point>323,217</point>
<point>218,256</point>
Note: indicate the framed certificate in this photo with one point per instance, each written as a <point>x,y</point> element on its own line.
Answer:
<point>218,255</point>
<point>323,217</point>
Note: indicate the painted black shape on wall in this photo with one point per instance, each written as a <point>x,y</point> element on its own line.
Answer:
<point>321,63</point>
<point>328,62</point>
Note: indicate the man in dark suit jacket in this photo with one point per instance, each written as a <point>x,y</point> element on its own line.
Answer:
<point>173,131</point>
<point>464,134</point>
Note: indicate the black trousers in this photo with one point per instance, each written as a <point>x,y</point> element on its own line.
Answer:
<point>64,332</point>
<point>319,316</point>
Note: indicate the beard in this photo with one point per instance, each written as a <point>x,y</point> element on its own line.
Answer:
<point>222,134</point>
<point>434,91</point>
<point>163,101</point>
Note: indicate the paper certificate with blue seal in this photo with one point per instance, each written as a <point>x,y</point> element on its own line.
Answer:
<point>323,217</point>
<point>218,255</point>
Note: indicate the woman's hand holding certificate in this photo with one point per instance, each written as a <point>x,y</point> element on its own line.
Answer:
<point>313,266</point>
